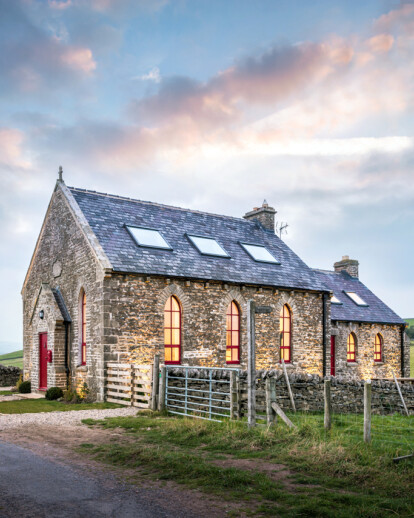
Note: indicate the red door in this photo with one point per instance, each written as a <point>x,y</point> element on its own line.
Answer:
<point>333,355</point>
<point>42,361</point>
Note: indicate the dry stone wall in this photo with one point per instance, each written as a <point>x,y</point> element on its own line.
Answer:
<point>308,392</point>
<point>9,376</point>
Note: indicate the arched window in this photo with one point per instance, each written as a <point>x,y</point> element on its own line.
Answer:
<point>378,348</point>
<point>233,333</point>
<point>285,334</point>
<point>351,348</point>
<point>172,331</point>
<point>83,328</point>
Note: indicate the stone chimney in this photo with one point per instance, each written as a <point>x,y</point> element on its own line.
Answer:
<point>264,215</point>
<point>348,265</point>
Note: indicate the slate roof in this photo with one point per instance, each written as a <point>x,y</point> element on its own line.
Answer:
<point>376,311</point>
<point>108,215</point>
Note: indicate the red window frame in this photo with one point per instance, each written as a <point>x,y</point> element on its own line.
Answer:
<point>171,326</point>
<point>233,333</point>
<point>351,345</point>
<point>285,334</point>
<point>378,348</point>
<point>83,329</point>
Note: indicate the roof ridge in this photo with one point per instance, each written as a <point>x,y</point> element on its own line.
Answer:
<point>321,270</point>
<point>163,205</point>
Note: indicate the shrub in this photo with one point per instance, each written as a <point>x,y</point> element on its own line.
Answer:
<point>54,393</point>
<point>25,387</point>
<point>70,396</point>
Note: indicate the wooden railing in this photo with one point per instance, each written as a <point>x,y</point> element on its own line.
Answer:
<point>129,384</point>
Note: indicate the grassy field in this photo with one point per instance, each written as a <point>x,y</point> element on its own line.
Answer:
<point>272,471</point>
<point>29,406</point>
<point>14,359</point>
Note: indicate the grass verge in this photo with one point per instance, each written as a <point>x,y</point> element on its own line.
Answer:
<point>29,406</point>
<point>328,475</point>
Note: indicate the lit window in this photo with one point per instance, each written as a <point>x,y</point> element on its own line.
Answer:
<point>208,246</point>
<point>351,348</point>
<point>233,334</point>
<point>259,253</point>
<point>378,348</point>
<point>172,331</point>
<point>148,237</point>
<point>285,334</point>
<point>83,328</point>
<point>335,300</point>
<point>356,298</point>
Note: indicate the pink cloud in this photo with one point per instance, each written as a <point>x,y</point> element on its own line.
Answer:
<point>79,59</point>
<point>60,5</point>
<point>381,43</point>
<point>11,154</point>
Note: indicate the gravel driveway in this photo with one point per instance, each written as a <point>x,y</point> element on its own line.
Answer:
<point>71,417</point>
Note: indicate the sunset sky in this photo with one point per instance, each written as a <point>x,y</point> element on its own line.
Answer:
<point>215,105</point>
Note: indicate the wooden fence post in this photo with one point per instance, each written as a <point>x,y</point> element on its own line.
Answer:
<point>270,398</point>
<point>328,407</point>
<point>161,394</point>
<point>251,364</point>
<point>233,396</point>
<point>288,386</point>
<point>155,381</point>
<point>367,411</point>
<point>239,397</point>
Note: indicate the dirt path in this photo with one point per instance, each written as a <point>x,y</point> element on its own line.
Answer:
<point>50,451</point>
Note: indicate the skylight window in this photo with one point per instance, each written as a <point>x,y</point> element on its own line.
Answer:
<point>356,298</point>
<point>148,237</point>
<point>208,246</point>
<point>259,253</point>
<point>335,300</point>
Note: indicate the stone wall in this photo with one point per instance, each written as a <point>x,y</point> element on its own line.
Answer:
<point>364,367</point>
<point>9,376</point>
<point>308,391</point>
<point>65,259</point>
<point>134,322</point>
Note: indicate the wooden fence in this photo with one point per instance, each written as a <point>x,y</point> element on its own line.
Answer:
<point>129,384</point>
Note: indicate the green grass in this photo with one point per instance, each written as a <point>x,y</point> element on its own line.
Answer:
<point>6,393</point>
<point>412,360</point>
<point>332,474</point>
<point>14,359</point>
<point>29,406</point>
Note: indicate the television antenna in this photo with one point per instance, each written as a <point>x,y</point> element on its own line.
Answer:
<point>281,228</point>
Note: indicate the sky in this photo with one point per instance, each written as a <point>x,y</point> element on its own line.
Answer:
<point>215,105</point>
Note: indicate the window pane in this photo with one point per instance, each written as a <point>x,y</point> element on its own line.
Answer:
<point>335,300</point>
<point>356,298</point>
<point>167,336</point>
<point>176,319</point>
<point>228,355</point>
<point>228,338</point>
<point>208,246</point>
<point>176,337</point>
<point>235,354</point>
<point>259,253</point>
<point>175,354</point>
<point>146,237</point>
<point>235,323</point>
<point>228,322</point>
<point>167,319</point>
<point>175,306</point>
<point>235,338</point>
<point>168,354</point>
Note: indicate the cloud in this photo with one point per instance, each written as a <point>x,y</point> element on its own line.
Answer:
<point>60,4</point>
<point>11,154</point>
<point>152,75</point>
<point>380,43</point>
<point>33,58</point>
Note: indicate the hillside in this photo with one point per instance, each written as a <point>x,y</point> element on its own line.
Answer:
<point>15,359</point>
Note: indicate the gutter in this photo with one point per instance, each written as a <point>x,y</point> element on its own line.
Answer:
<point>323,334</point>
<point>67,370</point>
<point>402,349</point>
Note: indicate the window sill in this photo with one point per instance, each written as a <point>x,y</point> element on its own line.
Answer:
<point>379,363</point>
<point>352,364</point>
<point>82,368</point>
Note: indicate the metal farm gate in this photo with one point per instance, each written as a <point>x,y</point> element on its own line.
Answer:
<point>212,395</point>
